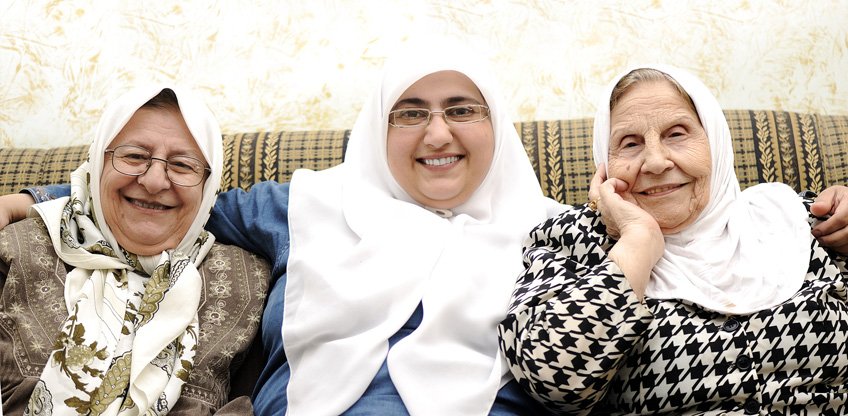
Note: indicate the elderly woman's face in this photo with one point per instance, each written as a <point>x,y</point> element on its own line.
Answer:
<point>440,165</point>
<point>657,146</point>
<point>148,214</point>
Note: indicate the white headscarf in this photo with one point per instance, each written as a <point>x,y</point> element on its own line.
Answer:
<point>747,251</point>
<point>140,332</point>
<point>364,255</point>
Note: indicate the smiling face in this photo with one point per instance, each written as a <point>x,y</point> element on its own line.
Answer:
<point>658,146</point>
<point>148,214</point>
<point>440,165</point>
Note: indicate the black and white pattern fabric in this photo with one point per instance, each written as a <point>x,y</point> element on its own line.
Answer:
<point>579,340</point>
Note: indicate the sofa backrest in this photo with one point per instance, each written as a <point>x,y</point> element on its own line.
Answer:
<point>805,151</point>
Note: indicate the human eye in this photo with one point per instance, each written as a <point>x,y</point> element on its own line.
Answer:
<point>461,112</point>
<point>185,164</point>
<point>132,155</point>
<point>411,114</point>
<point>628,143</point>
<point>676,132</point>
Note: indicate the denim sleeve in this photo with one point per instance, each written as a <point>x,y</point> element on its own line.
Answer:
<point>47,193</point>
<point>256,221</point>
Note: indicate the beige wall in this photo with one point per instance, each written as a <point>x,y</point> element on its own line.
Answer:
<point>294,64</point>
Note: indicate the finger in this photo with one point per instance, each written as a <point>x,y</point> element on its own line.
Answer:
<point>597,180</point>
<point>837,240</point>
<point>821,208</point>
<point>620,185</point>
<point>602,167</point>
<point>607,189</point>
<point>838,221</point>
<point>825,202</point>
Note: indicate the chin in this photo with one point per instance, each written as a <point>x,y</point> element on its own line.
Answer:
<point>148,246</point>
<point>675,228</point>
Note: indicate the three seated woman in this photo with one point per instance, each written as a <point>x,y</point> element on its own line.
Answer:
<point>672,291</point>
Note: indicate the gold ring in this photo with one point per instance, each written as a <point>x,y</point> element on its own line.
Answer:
<point>593,204</point>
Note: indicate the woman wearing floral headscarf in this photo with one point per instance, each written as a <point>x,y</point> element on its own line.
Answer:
<point>132,241</point>
<point>681,294</point>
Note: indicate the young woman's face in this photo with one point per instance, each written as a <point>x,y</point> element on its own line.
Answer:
<point>440,165</point>
<point>658,146</point>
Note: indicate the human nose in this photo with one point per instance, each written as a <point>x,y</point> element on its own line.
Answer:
<point>437,132</point>
<point>155,179</point>
<point>656,155</point>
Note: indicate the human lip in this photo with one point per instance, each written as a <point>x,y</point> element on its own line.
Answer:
<point>148,204</point>
<point>439,161</point>
<point>661,189</point>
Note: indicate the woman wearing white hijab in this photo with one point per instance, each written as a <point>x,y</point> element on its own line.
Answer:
<point>131,237</point>
<point>681,293</point>
<point>384,236</point>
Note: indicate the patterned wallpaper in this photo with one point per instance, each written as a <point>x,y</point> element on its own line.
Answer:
<point>294,64</point>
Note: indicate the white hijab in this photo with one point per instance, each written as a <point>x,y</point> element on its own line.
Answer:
<point>747,251</point>
<point>144,328</point>
<point>364,255</point>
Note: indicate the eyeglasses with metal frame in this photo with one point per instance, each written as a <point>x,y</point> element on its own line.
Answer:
<point>182,170</point>
<point>457,114</point>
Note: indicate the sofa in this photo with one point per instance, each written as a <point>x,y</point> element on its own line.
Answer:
<point>806,151</point>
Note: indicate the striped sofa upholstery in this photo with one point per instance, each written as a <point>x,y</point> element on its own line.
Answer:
<point>806,151</point>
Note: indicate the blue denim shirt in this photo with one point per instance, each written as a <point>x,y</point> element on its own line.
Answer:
<point>258,221</point>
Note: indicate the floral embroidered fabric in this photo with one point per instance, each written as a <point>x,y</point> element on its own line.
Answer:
<point>32,309</point>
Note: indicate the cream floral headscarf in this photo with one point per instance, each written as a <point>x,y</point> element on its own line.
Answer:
<point>128,344</point>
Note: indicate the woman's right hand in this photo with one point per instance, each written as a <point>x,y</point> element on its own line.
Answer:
<point>13,208</point>
<point>640,241</point>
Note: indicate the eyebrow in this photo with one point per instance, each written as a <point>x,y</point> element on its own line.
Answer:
<point>422,103</point>
<point>676,120</point>
<point>177,152</point>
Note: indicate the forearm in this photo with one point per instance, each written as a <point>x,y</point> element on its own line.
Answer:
<point>13,207</point>
<point>18,205</point>
<point>635,260</point>
<point>575,343</point>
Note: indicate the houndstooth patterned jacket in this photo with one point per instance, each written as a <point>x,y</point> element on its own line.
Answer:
<point>579,341</point>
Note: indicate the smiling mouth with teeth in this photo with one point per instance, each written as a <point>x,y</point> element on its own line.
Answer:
<point>148,205</point>
<point>440,161</point>
<point>658,190</point>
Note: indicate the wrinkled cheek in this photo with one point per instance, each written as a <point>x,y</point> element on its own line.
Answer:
<point>621,168</point>
<point>701,196</point>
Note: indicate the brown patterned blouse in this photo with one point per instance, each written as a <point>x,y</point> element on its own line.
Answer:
<point>32,309</point>
<point>578,339</point>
